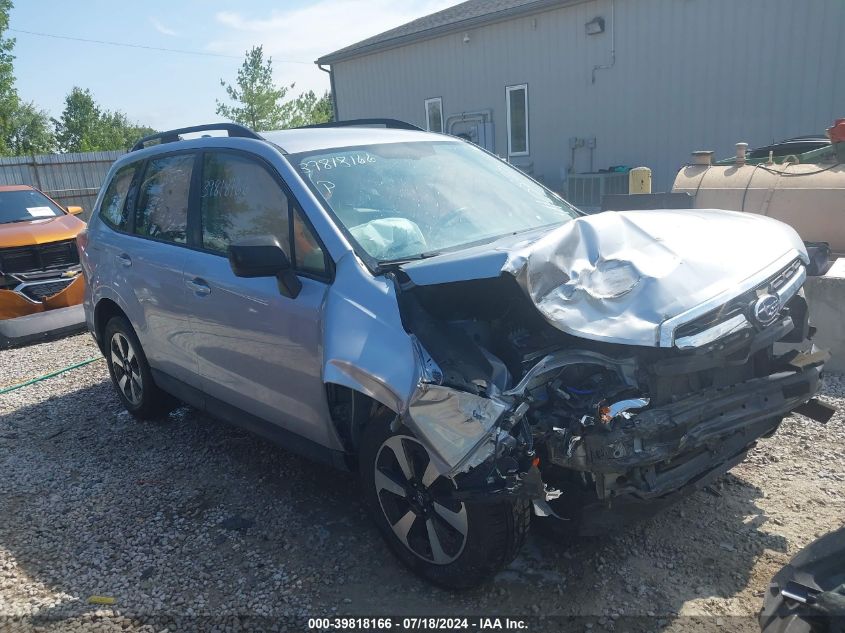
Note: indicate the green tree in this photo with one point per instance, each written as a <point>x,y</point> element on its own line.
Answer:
<point>9,101</point>
<point>117,132</point>
<point>323,110</point>
<point>76,128</point>
<point>309,110</point>
<point>258,102</point>
<point>85,127</point>
<point>24,128</point>
<point>30,132</point>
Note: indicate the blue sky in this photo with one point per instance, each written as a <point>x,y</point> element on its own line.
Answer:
<point>167,90</point>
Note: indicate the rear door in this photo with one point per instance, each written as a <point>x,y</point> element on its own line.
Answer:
<point>257,349</point>
<point>106,231</point>
<point>149,261</point>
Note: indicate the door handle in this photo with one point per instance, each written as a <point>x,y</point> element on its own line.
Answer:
<point>124,260</point>
<point>199,286</point>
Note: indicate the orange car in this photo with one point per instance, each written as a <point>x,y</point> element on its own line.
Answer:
<point>41,286</point>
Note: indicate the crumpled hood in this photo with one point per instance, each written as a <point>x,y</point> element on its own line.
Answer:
<point>616,276</point>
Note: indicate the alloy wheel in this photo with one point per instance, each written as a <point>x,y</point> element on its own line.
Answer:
<point>415,499</point>
<point>127,371</point>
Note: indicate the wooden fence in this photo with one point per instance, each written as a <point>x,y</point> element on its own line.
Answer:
<point>70,179</point>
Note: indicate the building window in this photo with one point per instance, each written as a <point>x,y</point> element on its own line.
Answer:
<point>517,120</point>
<point>434,115</point>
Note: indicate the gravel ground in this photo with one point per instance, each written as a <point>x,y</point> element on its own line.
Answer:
<point>189,522</point>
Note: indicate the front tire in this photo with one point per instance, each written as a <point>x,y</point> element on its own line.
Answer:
<point>453,544</point>
<point>130,372</point>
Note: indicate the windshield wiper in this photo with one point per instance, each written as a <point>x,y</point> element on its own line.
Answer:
<point>393,263</point>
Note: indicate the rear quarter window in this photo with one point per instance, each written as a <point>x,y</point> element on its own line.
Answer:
<point>113,209</point>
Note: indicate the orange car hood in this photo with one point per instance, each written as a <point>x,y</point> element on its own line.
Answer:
<point>41,231</point>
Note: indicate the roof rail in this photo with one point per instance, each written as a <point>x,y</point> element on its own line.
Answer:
<point>171,136</point>
<point>392,124</point>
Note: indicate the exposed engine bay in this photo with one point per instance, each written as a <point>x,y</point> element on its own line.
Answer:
<point>512,405</point>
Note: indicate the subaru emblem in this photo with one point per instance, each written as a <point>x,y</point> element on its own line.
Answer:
<point>766,309</point>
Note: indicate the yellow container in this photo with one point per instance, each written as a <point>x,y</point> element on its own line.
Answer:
<point>639,180</point>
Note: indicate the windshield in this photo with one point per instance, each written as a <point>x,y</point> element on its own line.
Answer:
<point>409,200</point>
<point>17,206</point>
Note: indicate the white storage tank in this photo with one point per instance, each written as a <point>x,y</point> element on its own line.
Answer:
<point>808,196</point>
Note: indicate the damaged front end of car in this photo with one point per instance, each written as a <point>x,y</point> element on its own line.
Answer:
<point>41,291</point>
<point>582,378</point>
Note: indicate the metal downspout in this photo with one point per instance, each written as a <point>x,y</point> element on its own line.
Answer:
<point>330,71</point>
<point>612,42</point>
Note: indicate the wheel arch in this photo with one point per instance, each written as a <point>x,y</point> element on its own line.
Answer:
<point>351,410</point>
<point>104,310</point>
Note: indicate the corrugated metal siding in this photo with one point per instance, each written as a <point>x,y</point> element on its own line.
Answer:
<point>689,74</point>
<point>70,179</point>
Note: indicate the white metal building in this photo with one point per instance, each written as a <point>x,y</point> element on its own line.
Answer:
<point>574,86</point>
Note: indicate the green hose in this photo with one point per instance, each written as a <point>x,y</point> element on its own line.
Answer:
<point>50,375</point>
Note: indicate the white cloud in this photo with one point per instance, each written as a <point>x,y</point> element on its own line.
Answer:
<point>161,28</point>
<point>306,33</point>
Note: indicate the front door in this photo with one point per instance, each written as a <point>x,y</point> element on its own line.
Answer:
<point>257,349</point>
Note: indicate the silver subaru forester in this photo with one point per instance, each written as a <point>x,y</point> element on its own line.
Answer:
<point>406,305</point>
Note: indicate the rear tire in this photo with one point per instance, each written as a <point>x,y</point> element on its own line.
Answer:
<point>130,372</point>
<point>455,547</point>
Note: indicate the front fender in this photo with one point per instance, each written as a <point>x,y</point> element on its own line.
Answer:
<point>366,347</point>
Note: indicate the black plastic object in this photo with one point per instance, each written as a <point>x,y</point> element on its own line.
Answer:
<point>819,253</point>
<point>808,595</point>
<point>816,410</point>
<point>264,257</point>
<point>797,145</point>
<point>171,136</point>
<point>258,257</point>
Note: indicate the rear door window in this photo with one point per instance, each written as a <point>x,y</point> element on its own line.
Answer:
<point>113,209</point>
<point>162,212</point>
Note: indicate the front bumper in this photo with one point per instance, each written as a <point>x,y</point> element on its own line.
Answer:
<point>41,326</point>
<point>24,321</point>
<point>653,458</point>
<point>603,517</point>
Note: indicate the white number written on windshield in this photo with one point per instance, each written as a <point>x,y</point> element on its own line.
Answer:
<point>316,165</point>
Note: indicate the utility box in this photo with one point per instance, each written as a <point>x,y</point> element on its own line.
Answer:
<point>639,180</point>
<point>476,127</point>
<point>586,191</point>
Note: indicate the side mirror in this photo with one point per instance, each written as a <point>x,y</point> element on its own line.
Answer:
<point>74,210</point>
<point>264,257</point>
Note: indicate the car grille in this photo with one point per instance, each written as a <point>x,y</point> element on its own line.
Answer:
<point>39,292</point>
<point>24,259</point>
<point>740,304</point>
